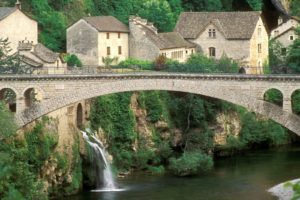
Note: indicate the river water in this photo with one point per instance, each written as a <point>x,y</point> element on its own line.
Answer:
<point>243,177</point>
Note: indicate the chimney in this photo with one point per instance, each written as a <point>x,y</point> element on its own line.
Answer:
<point>18,5</point>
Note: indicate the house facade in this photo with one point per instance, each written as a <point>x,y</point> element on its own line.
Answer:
<point>285,32</point>
<point>147,44</point>
<point>95,38</point>
<point>241,36</point>
<point>16,26</point>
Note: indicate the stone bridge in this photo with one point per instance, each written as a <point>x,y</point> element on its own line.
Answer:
<point>57,91</point>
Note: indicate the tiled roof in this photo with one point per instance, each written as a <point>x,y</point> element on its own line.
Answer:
<point>6,11</point>
<point>44,53</point>
<point>234,25</point>
<point>107,24</point>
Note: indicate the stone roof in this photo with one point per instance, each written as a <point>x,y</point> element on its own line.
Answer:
<point>173,40</point>
<point>6,11</point>
<point>234,25</point>
<point>45,54</point>
<point>107,24</point>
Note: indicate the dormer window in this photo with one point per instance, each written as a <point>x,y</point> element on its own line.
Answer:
<point>212,33</point>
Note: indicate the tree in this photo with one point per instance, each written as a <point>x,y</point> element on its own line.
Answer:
<point>159,12</point>
<point>11,63</point>
<point>277,57</point>
<point>295,8</point>
<point>294,54</point>
<point>255,4</point>
<point>202,5</point>
<point>108,61</point>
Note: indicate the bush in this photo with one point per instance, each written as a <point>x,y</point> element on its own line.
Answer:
<point>133,63</point>
<point>73,61</point>
<point>191,163</point>
<point>143,157</point>
<point>160,63</point>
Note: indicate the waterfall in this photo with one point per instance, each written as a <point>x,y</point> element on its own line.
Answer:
<point>100,153</point>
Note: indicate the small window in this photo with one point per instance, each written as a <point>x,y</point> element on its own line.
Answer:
<point>186,51</point>
<point>107,35</point>
<point>283,51</point>
<point>291,37</point>
<point>259,31</point>
<point>108,51</point>
<point>119,35</point>
<point>212,51</point>
<point>120,50</point>
<point>259,48</point>
<point>212,33</point>
<point>192,51</point>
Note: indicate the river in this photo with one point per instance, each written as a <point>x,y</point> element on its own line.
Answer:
<point>243,177</point>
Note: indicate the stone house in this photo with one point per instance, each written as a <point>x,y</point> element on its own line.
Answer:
<point>41,59</point>
<point>147,44</point>
<point>16,26</point>
<point>284,33</point>
<point>94,38</point>
<point>241,36</point>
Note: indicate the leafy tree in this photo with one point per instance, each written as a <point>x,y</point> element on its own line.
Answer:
<point>190,163</point>
<point>108,61</point>
<point>295,8</point>
<point>294,54</point>
<point>277,57</point>
<point>159,12</point>
<point>202,5</point>
<point>255,4</point>
<point>73,61</point>
<point>11,63</point>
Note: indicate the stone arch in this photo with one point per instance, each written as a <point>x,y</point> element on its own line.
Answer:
<point>274,95</point>
<point>79,115</point>
<point>295,101</point>
<point>235,96</point>
<point>32,96</point>
<point>9,96</point>
<point>242,70</point>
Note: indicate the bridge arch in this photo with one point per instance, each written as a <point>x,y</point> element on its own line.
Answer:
<point>79,115</point>
<point>9,96</point>
<point>236,96</point>
<point>274,96</point>
<point>32,95</point>
<point>295,98</point>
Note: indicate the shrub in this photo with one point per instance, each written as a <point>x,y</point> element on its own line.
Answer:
<point>143,157</point>
<point>190,163</point>
<point>73,61</point>
<point>160,63</point>
<point>136,64</point>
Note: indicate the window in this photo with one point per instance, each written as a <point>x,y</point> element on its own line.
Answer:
<point>283,51</point>
<point>120,50</point>
<point>212,33</point>
<point>107,35</point>
<point>177,54</point>
<point>259,31</point>
<point>291,37</point>
<point>108,51</point>
<point>276,32</point>
<point>259,48</point>
<point>212,51</point>
<point>119,35</point>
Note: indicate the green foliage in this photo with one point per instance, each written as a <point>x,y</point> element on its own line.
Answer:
<point>296,189</point>
<point>11,63</point>
<point>294,54</point>
<point>199,63</point>
<point>108,61</point>
<point>136,64</point>
<point>296,102</point>
<point>160,63</point>
<point>277,57</point>
<point>40,145</point>
<point>295,8</point>
<point>73,61</point>
<point>203,5</point>
<point>159,12</point>
<point>260,133</point>
<point>52,24</point>
<point>274,96</point>
<point>190,163</point>
<point>256,4</point>
<point>113,114</point>
<point>62,161</point>
<point>143,157</point>
<point>199,141</point>
<point>17,180</point>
